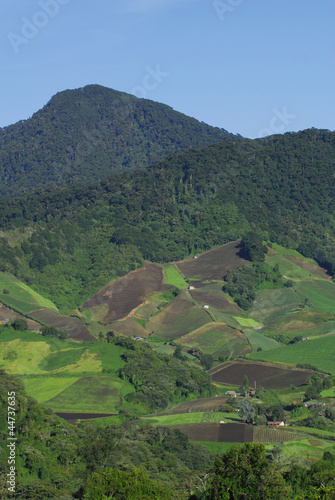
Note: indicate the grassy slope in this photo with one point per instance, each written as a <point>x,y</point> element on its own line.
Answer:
<point>21,296</point>
<point>173,277</point>
<point>319,352</point>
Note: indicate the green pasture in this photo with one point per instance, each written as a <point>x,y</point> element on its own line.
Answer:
<point>304,449</point>
<point>246,321</point>
<point>173,277</point>
<point>89,394</point>
<point>319,352</point>
<point>319,293</point>
<point>328,393</point>
<point>287,267</point>
<point>43,388</point>
<point>288,252</point>
<point>191,418</point>
<point>217,448</point>
<point>21,297</point>
<point>180,418</point>
<point>258,340</point>
<point>35,354</point>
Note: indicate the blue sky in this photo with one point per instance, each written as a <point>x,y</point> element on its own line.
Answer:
<point>252,67</point>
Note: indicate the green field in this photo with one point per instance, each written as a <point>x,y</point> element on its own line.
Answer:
<point>319,352</point>
<point>258,340</point>
<point>21,297</point>
<point>89,394</point>
<point>43,388</point>
<point>288,252</point>
<point>319,293</point>
<point>246,321</point>
<point>286,267</point>
<point>173,277</point>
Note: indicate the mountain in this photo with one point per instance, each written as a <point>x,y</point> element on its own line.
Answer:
<point>87,134</point>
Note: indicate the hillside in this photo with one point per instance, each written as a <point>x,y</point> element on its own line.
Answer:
<point>79,238</point>
<point>87,134</point>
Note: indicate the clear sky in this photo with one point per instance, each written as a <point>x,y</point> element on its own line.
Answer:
<point>252,67</point>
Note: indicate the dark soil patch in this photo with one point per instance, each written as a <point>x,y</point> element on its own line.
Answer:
<point>7,315</point>
<point>315,442</point>
<point>267,376</point>
<point>127,293</point>
<point>217,301</point>
<point>215,263</point>
<point>73,326</point>
<point>218,433</point>
<point>72,418</point>
<point>128,327</point>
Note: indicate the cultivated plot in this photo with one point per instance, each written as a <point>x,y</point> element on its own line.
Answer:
<point>215,263</point>
<point>267,376</point>
<point>127,293</point>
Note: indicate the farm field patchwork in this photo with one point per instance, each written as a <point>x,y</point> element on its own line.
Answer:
<point>63,375</point>
<point>319,352</point>
<point>8,315</point>
<point>178,318</point>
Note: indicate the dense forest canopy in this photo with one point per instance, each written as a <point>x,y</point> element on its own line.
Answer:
<point>87,134</point>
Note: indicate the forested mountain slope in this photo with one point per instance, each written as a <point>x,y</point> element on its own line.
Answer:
<point>87,134</point>
<point>282,187</point>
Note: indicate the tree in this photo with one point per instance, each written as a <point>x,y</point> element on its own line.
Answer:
<point>244,473</point>
<point>245,386</point>
<point>19,324</point>
<point>247,411</point>
<point>206,360</point>
<point>120,485</point>
<point>253,248</point>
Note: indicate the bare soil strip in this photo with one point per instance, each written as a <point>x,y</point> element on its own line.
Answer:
<point>215,263</point>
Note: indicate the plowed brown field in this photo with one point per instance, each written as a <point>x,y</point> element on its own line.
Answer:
<point>215,263</point>
<point>218,433</point>
<point>127,293</point>
<point>73,326</point>
<point>267,376</point>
